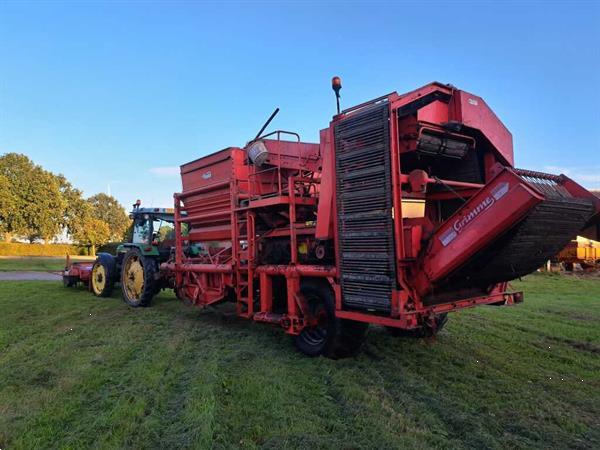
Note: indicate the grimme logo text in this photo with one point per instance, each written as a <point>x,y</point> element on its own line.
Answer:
<point>466,220</point>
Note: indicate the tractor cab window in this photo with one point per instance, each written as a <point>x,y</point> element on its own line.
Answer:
<point>141,231</point>
<point>163,230</point>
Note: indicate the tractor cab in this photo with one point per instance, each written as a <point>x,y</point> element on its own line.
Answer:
<point>153,230</point>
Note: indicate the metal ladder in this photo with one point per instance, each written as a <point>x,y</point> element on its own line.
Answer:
<point>245,262</point>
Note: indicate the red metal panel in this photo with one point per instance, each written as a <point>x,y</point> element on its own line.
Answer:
<point>325,210</point>
<point>206,193</point>
<point>294,155</point>
<point>82,270</point>
<point>435,112</point>
<point>493,210</point>
<point>472,111</point>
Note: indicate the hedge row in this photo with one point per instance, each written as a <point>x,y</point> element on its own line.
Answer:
<point>111,248</point>
<point>20,249</point>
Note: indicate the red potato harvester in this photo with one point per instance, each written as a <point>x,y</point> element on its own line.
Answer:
<point>408,208</point>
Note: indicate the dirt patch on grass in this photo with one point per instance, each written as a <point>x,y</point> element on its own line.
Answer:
<point>44,378</point>
<point>578,345</point>
<point>585,346</point>
<point>570,315</point>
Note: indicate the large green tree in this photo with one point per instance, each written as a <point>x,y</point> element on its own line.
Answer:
<point>109,210</point>
<point>35,203</point>
<point>91,232</point>
<point>76,207</point>
<point>33,207</point>
<point>8,204</point>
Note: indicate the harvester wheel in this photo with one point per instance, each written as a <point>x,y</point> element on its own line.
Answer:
<point>331,337</point>
<point>101,280</point>
<point>421,332</point>
<point>137,279</point>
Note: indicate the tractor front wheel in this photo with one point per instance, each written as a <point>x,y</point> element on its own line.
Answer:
<point>331,337</point>
<point>101,280</point>
<point>138,283</point>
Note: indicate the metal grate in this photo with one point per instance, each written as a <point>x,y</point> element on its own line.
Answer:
<point>364,208</point>
<point>547,184</point>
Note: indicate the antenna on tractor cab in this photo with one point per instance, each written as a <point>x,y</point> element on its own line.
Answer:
<point>336,85</point>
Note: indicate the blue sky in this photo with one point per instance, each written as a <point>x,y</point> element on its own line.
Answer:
<point>122,93</point>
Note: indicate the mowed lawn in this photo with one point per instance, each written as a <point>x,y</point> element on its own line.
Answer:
<point>37,263</point>
<point>77,371</point>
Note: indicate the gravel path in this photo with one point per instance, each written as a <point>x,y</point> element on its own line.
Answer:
<point>29,276</point>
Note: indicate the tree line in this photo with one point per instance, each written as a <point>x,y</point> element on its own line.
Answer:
<point>36,204</point>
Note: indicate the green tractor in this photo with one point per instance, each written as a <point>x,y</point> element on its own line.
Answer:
<point>136,263</point>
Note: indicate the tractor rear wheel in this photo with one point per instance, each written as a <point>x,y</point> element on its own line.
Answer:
<point>101,280</point>
<point>421,332</point>
<point>331,337</point>
<point>138,284</point>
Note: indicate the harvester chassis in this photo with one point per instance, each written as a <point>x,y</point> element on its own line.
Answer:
<point>407,209</point>
<point>314,237</point>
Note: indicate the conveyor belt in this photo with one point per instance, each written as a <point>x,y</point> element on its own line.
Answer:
<point>524,248</point>
<point>364,206</point>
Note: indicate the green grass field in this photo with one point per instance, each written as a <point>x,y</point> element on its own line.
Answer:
<point>77,371</point>
<point>37,263</point>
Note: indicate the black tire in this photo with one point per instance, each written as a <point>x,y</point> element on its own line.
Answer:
<point>138,291</point>
<point>333,337</point>
<point>69,281</point>
<point>421,332</point>
<point>102,277</point>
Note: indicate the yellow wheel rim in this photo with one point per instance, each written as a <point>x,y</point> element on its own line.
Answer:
<point>98,278</point>
<point>133,278</point>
